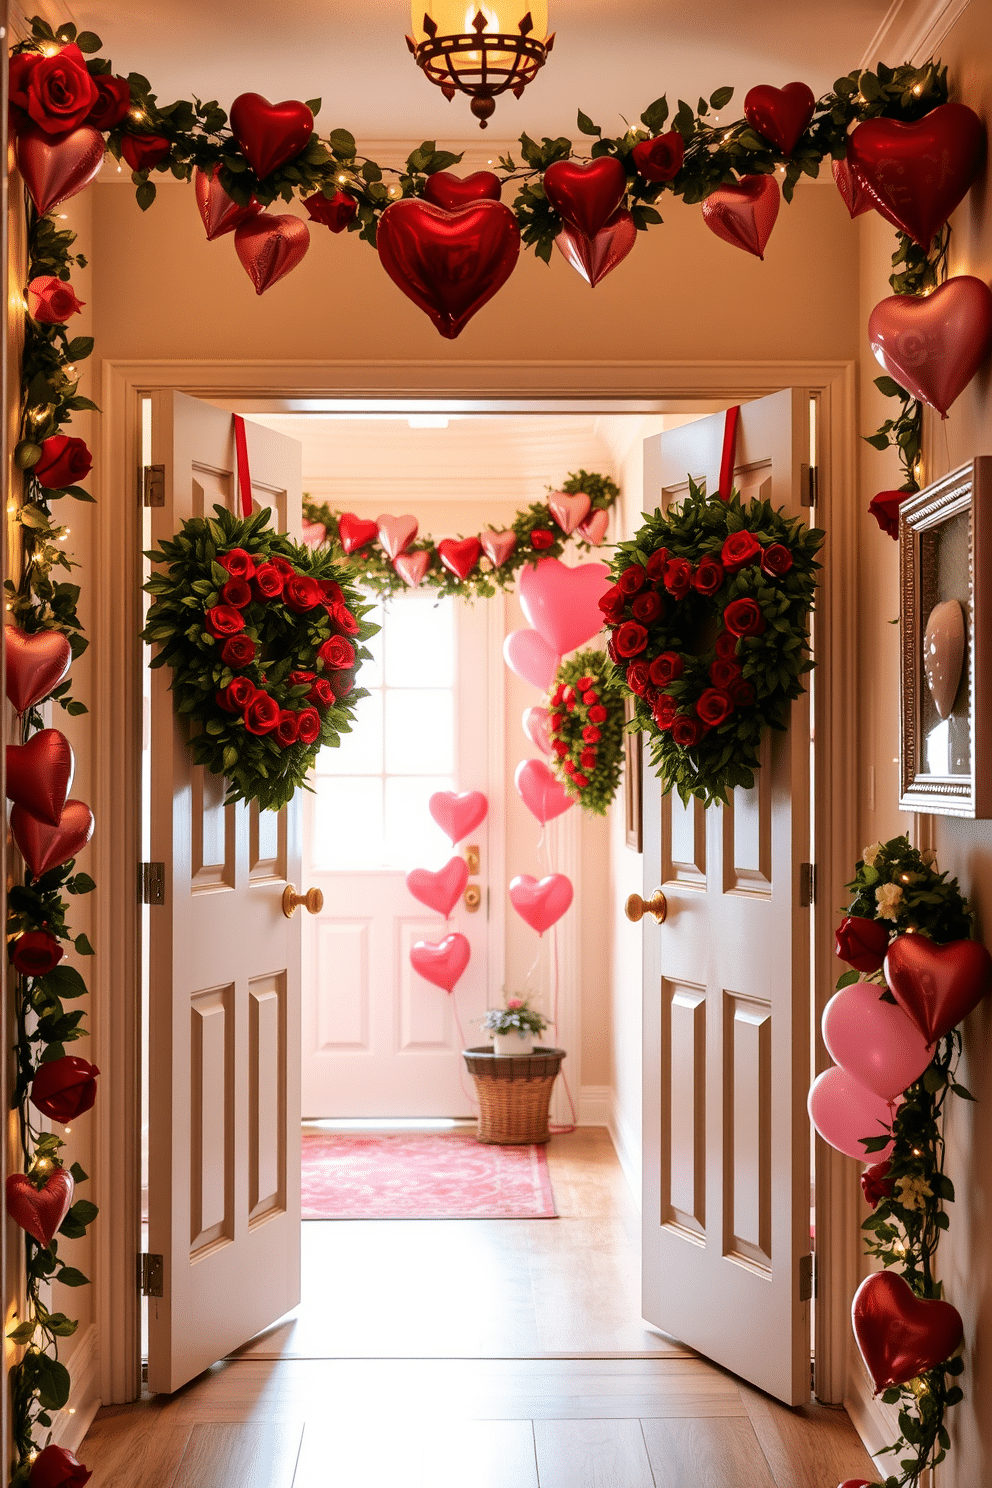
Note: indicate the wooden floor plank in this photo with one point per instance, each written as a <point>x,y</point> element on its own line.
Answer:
<point>812,1447</point>
<point>119,1452</point>
<point>484,1454</point>
<point>706,1454</point>
<point>252,1455</point>
<point>591,1454</point>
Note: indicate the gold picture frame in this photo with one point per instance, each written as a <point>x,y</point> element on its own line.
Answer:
<point>633,782</point>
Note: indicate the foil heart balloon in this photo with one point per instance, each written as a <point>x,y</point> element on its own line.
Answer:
<point>270,134</point>
<point>568,511</point>
<point>395,534</point>
<point>40,1211</point>
<point>270,246</point>
<point>440,891</point>
<point>536,723</point>
<point>745,214</point>
<point>873,1040</point>
<point>498,546</point>
<point>541,904</point>
<point>593,529</point>
<point>448,263</point>
<point>540,791</point>
<point>937,985</point>
<point>899,1334</point>
<point>844,1111</point>
<point>43,847</point>
<point>529,655</point>
<point>780,114</point>
<point>595,257</point>
<point>411,567</point>
<point>855,197</point>
<point>354,532</point>
<point>457,815</point>
<point>441,962</point>
<point>58,166</point>
<point>445,190</point>
<point>916,174</point>
<point>39,774</point>
<point>934,344</point>
<point>314,533</point>
<point>561,603</point>
<point>459,555</point>
<point>944,642</point>
<point>219,212</point>
<point>35,664</point>
<point>585,194</point>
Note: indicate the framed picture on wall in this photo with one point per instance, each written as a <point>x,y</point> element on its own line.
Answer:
<point>632,781</point>
<point>945,571</point>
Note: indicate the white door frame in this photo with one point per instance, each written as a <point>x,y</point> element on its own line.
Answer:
<point>587,386</point>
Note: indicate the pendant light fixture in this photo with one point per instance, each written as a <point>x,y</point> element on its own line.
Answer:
<point>480,50</point>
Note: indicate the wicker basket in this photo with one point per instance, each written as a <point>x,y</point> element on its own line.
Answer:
<point>514,1094</point>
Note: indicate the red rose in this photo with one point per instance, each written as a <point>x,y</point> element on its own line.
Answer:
<point>261,714</point>
<point>638,677</point>
<point>283,565</point>
<point>587,759</point>
<point>50,301</point>
<point>55,1467</point>
<point>64,461</point>
<point>343,618</point>
<point>337,653</point>
<point>299,679</point>
<point>239,563</point>
<point>591,735</point>
<point>556,720</point>
<point>647,607</point>
<point>112,104</point>
<point>885,509</point>
<point>657,564</point>
<point>584,683</point>
<point>331,592</point>
<point>776,560</point>
<point>713,706</point>
<point>237,593</point>
<point>568,694</point>
<point>342,683</point>
<point>559,747</point>
<point>321,693</point>
<point>678,577</point>
<point>21,66</point>
<point>569,767</point>
<point>726,646</point>
<point>301,593</point>
<point>35,953</point>
<point>742,693</point>
<point>708,576</point>
<point>611,650</point>
<point>686,731</point>
<point>334,211</point>
<point>875,1184</point>
<point>224,620</point>
<point>267,581</point>
<point>660,159</point>
<point>590,697</point>
<point>558,694</point>
<point>611,604</point>
<point>288,728</point>
<point>541,538</point>
<point>665,711</point>
<point>666,668</point>
<point>740,548</point>
<point>64,1088</point>
<point>743,617</point>
<point>309,726</point>
<point>723,673</point>
<point>862,943</point>
<point>239,651</point>
<point>630,639</point>
<point>142,151</point>
<point>598,714</point>
<point>236,695</point>
<point>632,580</point>
<point>60,92</point>
<point>579,779</point>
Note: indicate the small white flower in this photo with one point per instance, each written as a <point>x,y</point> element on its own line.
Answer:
<point>870,854</point>
<point>913,1192</point>
<point>888,897</point>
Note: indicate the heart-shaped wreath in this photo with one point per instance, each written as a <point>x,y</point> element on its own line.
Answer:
<point>585,726</point>
<point>709,632</point>
<point>264,642</point>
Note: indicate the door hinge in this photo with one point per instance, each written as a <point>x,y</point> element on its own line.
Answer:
<point>806,1278</point>
<point>153,485</point>
<point>151,883</point>
<point>809,485</point>
<point>151,1276</point>
<point>807,885</point>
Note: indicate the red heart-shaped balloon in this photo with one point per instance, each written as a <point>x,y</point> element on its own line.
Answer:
<point>745,214</point>
<point>934,344</point>
<point>937,985</point>
<point>459,556</point>
<point>440,891</point>
<point>585,194</point>
<point>39,774</point>
<point>541,903</point>
<point>448,191</point>
<point>57,166</point>
<point>270,246</point>
<point>448,263</point>
<point>36,664</point>
<point>596,257</point>
<point>40,1211</point>
<point>899,1334</point>
<point>270,134</point>
<point>916,174</point>
<point>354,532</point>
<point>43,847</point>
<point>219,212</point>
<point>856,199</point>
<point>780,114</point>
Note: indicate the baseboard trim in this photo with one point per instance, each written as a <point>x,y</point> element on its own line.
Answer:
<point>71,1425</point>
<point>876,1423</point>
<point>628,1148</point>
<point>595,1105</point>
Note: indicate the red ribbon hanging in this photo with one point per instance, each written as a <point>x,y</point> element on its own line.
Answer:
<point>244,473</point>
<point>731,419</point>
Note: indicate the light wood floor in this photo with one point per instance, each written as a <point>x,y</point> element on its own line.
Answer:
<point>521,1364</point>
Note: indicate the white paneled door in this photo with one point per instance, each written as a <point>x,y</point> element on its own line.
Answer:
<point>726,1238</point>
<point>224,990</point>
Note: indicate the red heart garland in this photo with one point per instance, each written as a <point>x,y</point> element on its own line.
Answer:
<point>899,1334</point>
<point>270,246</point>
<point>856,199</point>
<point>596,257</point>
<point>585,194</point>
<point>937,985</point>
<point>40,1211</point>
<point>448,263</point>
<point>219,212</point>
<point>43,847</point>
<point>39,774</point>
<point>354,532</point>
<point>459,557</point>
<point>780,114</point>
<point>934,344</point>
<point>449,191</point>
<point>36,664</point>
<point>270,134</point>
<point>916,174</point>
<point>56,167</point>
<point>744,215</point>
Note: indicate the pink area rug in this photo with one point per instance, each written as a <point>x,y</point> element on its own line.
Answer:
<point>420,1175</point>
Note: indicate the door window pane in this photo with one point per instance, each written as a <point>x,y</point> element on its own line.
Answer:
<point>347,823</point>
<point>419,723</point>
<point>412,835</point>
<point>360,752</point>
<point>420,642</point>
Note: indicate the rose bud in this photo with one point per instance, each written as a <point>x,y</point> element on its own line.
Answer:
<point>657,564</point>
<point>647,608</point>
<point>611,604</point>
<point>686,731</point>
<point>239,651</point>
<point>55,1467</point>
<point>587,759</point>
<point>237,593</point>
<point>665,712</point>
<point>541,538</point>
<point>239,563</point>
<point>64,461</point>
<point>142,151</point>
<point>334,211</point>
<point>64,1088</point>
<point>50,301</point>
<point>723,673</point>
<point>112,105</point>
<point>666,668</point>
<point>862,943</point>
<point>632,580</point>
<point>301,593</point>
<point>740,548</point>
<point>591,734</point>
<point>283,565</point>
<point>743,617</point>
<point>708,576</point>
<point>659,159</point>
<point>598,714</point>
<point>223,620</point>
<point>726,646</point>
<point>875,1184</point>
<point>35,953</point>
<point>559,747</point>
<point>579,779</point>
<point>321,693</point>
<point>267,582</point>
<point>678,577</point>
<point>584,683</point>
<point>343,618</point>
<point>590,697</point>
<point>288,728</point>
<point>885,509</point>
<point>342,683</point>
<point>309,726</point>
<point>236,695</point>
<point>776,560</point>
<point>638,678</point>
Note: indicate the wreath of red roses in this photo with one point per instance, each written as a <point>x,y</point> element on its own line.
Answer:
<point>585,727</point>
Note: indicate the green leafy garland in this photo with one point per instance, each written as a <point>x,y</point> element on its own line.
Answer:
<point>537,535</point>
<point>264,643</point>
<point>586,728</point>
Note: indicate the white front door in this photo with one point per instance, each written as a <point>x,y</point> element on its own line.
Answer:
<point>224,988</point>
<point>726,1265</point>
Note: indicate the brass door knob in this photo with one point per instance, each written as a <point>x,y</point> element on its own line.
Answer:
<point>636,907</point>
<point>312,901</point>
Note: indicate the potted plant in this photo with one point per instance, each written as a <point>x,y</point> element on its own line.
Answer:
<point>514,1026</point>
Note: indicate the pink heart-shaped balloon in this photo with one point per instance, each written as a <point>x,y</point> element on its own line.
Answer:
<point>443,962</point>
<point>561,603</point>
<point>529,655</point>
<point>43,847</point>
<point>568,511</point>
<point>541,904</point>
<point>36,664</point>
<point>354,532</point>
<point>440,891</point>
<point>596,257</point>
<point>39,774</point>
<point>459,555</point>
<point>498,546</point>
<point>411,567</point>
<point>873,1040</point>
<point>457,815</point>
<point>745,214</point>
<point>899,1334</point>
<point>934,344</point>
<point>314,533</point>
<point>219,212</point>
<point>856,198</point>
<point>396,534</point>
<point>536,725</point>
<point>40,1211</point>
<point>540,792</point>
<point>56,167</point>
<point>593,529</point>
<point>270,246</point>
<point>937,985</point>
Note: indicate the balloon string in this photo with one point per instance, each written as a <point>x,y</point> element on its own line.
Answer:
<point>559,1131</point>
<point>466,1092</point>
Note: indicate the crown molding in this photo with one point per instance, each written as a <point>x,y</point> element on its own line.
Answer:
<point>913,30</point>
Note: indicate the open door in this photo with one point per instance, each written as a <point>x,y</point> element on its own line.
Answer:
<point>726,1235</point>
<point>224,990</point>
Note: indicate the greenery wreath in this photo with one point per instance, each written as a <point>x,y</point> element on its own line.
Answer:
<point>264,640</point>
<point>586,729</point>
<point>708,621</point>
<point>460,566</point>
